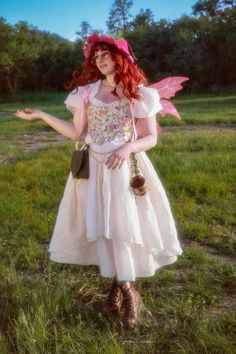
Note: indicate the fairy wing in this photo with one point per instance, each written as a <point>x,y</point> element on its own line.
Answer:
<point>169,108</point>
<point>167,88</point>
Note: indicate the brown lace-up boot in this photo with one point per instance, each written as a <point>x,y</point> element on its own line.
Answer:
<point>132,304</point>
<point>114,300</point>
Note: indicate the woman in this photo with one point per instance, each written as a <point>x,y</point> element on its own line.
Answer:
<point>100,220</point>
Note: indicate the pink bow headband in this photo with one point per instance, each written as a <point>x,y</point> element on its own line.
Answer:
<point>121,44</point>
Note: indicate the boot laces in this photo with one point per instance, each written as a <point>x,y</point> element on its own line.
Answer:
<point>129,303</point>
<point>114,294</point>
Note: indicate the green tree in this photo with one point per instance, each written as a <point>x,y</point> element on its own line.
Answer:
<point>19,48</point>
<point>58,58</point>
<point>151,43</point>
<point>211,7</point>
<point>7,63</point>
<point>85,30</point>
<point>33,60</point>
<point>143,18</point>
<point>119,16</point>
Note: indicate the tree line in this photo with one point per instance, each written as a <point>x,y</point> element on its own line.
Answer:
<point>201,46</point>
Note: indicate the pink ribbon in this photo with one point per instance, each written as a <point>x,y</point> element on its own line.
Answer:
<point>134,137</point>
<point>86,95</point>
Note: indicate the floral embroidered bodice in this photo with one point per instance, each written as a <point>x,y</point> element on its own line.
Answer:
<point>109,117</point>
<point>110,122</point>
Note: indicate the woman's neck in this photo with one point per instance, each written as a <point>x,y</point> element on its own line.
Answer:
<point>109,81</point>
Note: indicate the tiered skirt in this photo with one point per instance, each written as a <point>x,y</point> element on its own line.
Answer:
<point>101,222</point>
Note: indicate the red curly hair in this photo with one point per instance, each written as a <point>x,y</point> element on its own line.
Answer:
<point>126,72</point>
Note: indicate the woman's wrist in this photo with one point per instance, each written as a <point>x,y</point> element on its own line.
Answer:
<point>130,146</point>
<point>43,115</point>
<point>142,144</point>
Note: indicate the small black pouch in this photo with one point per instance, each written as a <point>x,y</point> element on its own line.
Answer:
<point>80,162</point>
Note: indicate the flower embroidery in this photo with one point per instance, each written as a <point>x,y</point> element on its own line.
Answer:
<point>109,122</point>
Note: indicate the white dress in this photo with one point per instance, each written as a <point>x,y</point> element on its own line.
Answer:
<point>100,221</point>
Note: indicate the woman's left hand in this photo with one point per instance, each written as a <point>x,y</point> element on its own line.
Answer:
<point>29,114</point>
<point>117,158</point>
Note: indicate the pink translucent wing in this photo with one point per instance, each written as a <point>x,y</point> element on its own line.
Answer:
<point>168,87</point>
<point>168,108</point>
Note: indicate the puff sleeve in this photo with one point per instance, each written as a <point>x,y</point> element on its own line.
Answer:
<point>149,104</point>
<point>75,98</point>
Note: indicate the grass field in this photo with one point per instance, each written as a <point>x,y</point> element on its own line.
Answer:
<point>189,307</point>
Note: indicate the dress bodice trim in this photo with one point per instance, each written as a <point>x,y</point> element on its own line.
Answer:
<point>147,106</point>
<point>94,88</point>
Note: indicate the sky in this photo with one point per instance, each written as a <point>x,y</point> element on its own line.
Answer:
<point>64,16</point>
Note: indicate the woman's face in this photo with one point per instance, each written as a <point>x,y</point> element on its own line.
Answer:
<point>103,60</point>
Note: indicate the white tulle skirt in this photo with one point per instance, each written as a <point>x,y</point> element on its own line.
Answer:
<point>101,222</point>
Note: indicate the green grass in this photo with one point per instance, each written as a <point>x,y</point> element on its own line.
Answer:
<point>208,110</point>
<point>38,97</point>
<point>57,309</point>
<point>203,110</point>
<point>48,308</point>
<point>198,169</point>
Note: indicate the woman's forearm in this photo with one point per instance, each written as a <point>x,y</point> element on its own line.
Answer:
<point>116,159</point>
<point>148,130</point>
<point>142,144</point>
<point>65,128</point>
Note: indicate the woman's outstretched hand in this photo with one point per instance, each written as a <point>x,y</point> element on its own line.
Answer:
<point>29,114</point>
<point>117,158</point>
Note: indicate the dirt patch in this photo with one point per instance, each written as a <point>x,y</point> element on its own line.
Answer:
<point>34,142</point>
<point>211,251</point>
<point>227,304</point>
<point>10,160</point>
<point>222,257</point>
<point>4,114</point>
